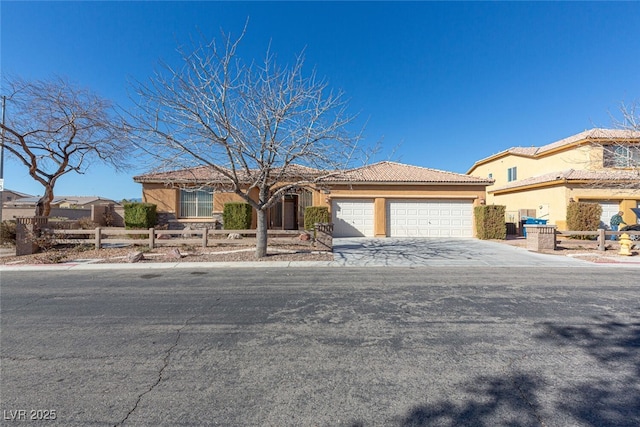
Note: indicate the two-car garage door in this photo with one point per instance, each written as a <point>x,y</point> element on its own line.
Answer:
<point>430,218</point>
<point>404,218</point>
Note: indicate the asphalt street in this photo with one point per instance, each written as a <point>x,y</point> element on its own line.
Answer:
<point>430,346</point>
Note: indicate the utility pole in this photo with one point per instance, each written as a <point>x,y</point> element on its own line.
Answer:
<point>4,107</point>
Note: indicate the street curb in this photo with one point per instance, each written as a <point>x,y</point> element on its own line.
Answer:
<point>67,267</point>
<point>165,265</point>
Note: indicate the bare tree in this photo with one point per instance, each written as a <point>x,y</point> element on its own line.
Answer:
<point>259,125</point>
<point>621,149</point>
<point>630,117</point>
<point>54,127</point>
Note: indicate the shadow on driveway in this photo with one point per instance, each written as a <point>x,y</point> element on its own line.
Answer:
<point>403,252</point>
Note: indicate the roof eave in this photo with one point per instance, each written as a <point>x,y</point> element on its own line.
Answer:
<point>485,183</point>
<point>555,182</point>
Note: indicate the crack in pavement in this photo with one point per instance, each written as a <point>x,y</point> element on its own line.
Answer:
<point>165,364</point>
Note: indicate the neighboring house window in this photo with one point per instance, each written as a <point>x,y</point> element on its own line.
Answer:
<point>619,156</point>
<point>490,176</point>
<point>512,174</point>
<point>196,203</point>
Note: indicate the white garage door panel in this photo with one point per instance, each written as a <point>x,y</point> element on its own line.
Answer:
<point>352,218</point>
<point>609,209</point>
<point>430,218</point>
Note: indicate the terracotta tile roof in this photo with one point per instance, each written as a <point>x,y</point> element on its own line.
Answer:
<point>596,134</point>
<point>209,175</point>
<point>197,174</point>
<point>592,134</point>
<point>391,172</point>
<point>599,176</point>
<point>524,151</point>
<point>382,172</point>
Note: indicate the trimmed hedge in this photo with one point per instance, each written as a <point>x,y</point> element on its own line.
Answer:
<point>140,216</point>
<point>236,216</point>
<point>314,214</point>
<point>490,222</point>
<point>583,216</point>
<point>8,231</point>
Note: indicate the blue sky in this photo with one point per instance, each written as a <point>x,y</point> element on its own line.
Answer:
<point>442,84</point>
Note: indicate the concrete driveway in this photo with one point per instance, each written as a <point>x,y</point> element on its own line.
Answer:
<point>415,252</point>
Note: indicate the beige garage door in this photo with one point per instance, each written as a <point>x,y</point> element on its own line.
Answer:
<point>430,218</point>
<point>352,218</point>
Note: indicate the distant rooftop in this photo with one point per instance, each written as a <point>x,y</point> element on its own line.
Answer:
<point>74,200</point>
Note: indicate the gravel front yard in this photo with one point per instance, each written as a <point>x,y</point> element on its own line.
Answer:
<point>218,253</point>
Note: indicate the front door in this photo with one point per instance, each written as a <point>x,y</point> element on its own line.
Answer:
<point>290,213</point>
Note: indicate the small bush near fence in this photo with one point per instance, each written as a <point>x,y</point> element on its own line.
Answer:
<point>140,215</point>
<point>8,232</point>
<point>490,222</point>
<point>315,214</point>
<point>236,216</point>
<point>583,216</point>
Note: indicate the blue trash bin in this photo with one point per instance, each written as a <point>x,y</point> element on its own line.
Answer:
<point>529,220</point>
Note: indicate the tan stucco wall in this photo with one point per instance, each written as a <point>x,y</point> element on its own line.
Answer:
<point>219,199</point>
<point>549,203</point>
<point>579,158</point>
<point>406,191</point>
<point>554,200</point>
<point>165,198</point>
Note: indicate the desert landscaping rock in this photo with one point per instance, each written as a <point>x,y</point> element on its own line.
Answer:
<point>174,254</point>
<point>136,256</point>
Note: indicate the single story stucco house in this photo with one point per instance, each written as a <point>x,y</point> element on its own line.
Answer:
<point>377,200</point>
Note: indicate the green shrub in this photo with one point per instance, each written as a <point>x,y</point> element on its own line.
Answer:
<point>86,224</point>
<point>583,216</point>
<point>236,216</point>
<point>140,215</point>
<point>8,232</point>
<point>314,214</point>
<point>490,222</point>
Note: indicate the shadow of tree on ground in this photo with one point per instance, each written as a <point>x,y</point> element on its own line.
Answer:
<point>607,339</point>
<point>615,345</point>
<point>596,400</point>
<point>508,401</point>
<point>410,250</point>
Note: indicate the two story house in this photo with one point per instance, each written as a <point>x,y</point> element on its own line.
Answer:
<point>598,165</point>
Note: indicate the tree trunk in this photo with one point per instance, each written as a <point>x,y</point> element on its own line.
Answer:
<point>261,234</point>
<point>43,207</point>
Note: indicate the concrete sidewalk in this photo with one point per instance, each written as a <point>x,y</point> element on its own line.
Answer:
<point>369,252</point>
